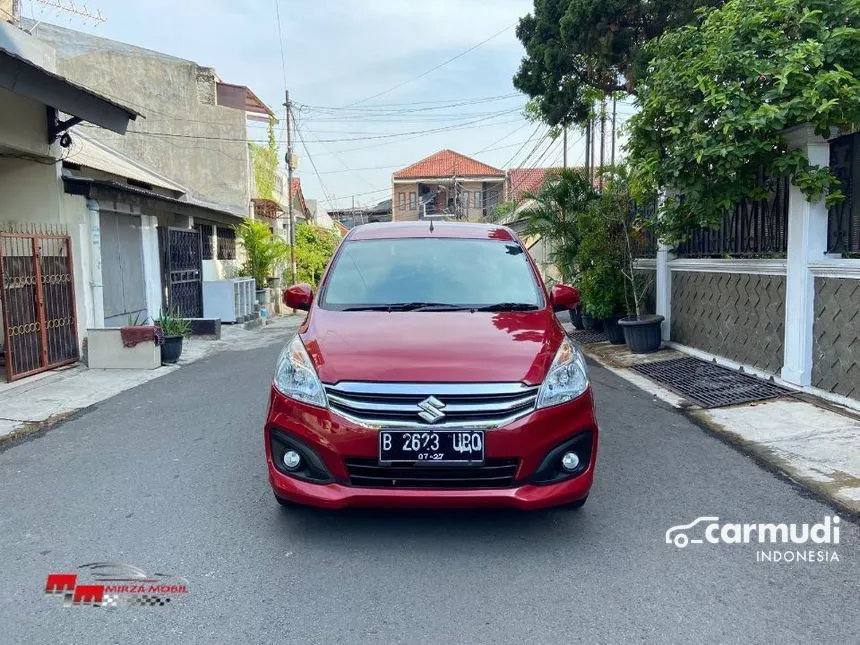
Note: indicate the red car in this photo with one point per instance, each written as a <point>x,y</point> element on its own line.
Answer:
<point>431,371</point>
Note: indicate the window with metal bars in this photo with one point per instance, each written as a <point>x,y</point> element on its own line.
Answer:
<point>205,240</point>
<point>226,244</point>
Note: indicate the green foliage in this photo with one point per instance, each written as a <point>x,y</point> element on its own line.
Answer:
<point>601,256</point>
<point>264,160</point>
<point>263,250</point>
<point>578,51</point>
<point>503,212</point>
<point>314,248</point>
<point>608,282</point>
<point>719,95</point>
<point>564,197</point>
<point>172,324</point>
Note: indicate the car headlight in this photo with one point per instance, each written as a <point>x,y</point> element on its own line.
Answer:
<point>296,377</point>
<point>567,377</point>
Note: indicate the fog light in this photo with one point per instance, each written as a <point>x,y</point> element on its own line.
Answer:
<point>292,459</point>
<point>570,461</point>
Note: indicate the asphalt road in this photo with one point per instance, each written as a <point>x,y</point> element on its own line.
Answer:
<point>170,477</point>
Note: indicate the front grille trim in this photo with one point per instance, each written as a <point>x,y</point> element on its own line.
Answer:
<point>467,405</point>
<point>495,473</point>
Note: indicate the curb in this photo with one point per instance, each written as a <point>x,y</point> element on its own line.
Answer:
<point>762,455</point>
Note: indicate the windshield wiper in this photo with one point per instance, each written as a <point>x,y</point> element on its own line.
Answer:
<point>508,306</point>
<point>426,306</point>
<point>410,306</point>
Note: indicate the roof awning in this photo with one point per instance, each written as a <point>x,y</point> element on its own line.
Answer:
<point>22,76</point>
<point>241,97</point>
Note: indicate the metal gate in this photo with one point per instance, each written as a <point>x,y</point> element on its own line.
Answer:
<point>37,296</point>
<point>183,268</point>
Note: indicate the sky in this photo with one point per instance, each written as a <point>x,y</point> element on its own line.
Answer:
<point>340,53</point>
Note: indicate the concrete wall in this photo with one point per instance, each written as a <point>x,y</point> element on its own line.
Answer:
<point>23,125</point>
<point>177,97</point>
<point>32,193</point>
<point>6,10</point>
<point>836,336</point>
<point>737,315</point>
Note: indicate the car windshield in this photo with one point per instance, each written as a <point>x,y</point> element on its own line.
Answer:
<point>432,274</point>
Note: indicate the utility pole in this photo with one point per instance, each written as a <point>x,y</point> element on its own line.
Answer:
<point>588,150</point>
<point>614,114</point>
<point>292,214</point>
<point>602,138</point>
<point>565,146</point>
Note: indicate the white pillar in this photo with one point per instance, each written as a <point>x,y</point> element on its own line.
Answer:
<point>151,264</point>
<point>663,278</point>
<point>664,289</point>
<point>807,242</point>
<point>96,285</point>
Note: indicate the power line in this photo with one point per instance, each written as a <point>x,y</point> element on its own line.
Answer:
<point>431,70</point>
<point>314,166</point>
<point>501,139</point>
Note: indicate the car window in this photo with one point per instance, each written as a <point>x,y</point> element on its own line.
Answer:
<point>461,272</point>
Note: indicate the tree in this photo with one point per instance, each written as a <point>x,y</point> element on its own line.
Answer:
<point>578,51</point>
<point>263,250</point>
<point>719,95</point>
<point>264,160</point>
<point>564,196</point>
<point>314,247</point>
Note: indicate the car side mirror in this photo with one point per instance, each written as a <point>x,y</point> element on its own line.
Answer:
<point>563,297</point>
<point>299,296</point>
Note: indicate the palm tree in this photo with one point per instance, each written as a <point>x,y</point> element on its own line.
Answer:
<point>552,212</point>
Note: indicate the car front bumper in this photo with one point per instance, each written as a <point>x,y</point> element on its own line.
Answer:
<point>334,438</point>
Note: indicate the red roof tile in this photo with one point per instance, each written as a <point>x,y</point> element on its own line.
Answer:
<point>447,163</point>
<point>522,180</point>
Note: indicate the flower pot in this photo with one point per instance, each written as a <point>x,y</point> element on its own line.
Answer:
<point>613,330</point>
<point>643,335</point>
<point>576,318</point>
<point>263,297</point>
<point>171,349</point>
<point>591,324</point>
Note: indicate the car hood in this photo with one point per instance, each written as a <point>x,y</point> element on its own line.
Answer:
<point>431,347</point>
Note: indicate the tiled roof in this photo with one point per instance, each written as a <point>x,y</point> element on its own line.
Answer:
<point>447,163</point>
<point>531,180</point>
<point>522,180</point>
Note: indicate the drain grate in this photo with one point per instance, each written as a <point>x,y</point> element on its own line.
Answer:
<point>709,385</point>
<point>584,337</point>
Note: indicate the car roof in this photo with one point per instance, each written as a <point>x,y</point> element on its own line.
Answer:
<point>464,230</point>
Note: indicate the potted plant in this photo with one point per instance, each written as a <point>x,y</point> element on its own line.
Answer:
<point>264,251</point>
<point>174,328</point>
<point>643,332</point>
<point>601,282</point>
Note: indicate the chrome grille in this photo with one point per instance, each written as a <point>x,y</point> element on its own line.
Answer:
<point>406,405</point>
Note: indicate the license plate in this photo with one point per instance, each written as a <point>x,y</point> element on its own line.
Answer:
<point>438,446</point>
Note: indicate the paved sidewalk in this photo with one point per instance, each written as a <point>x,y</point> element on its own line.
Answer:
<point>33,403</point>
<point>814,443</point>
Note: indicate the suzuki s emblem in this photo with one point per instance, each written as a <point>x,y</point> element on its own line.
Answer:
<point>431,409</point>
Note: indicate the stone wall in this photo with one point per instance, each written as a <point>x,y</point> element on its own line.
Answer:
<point>737,315</point>
<point>836,336</point>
